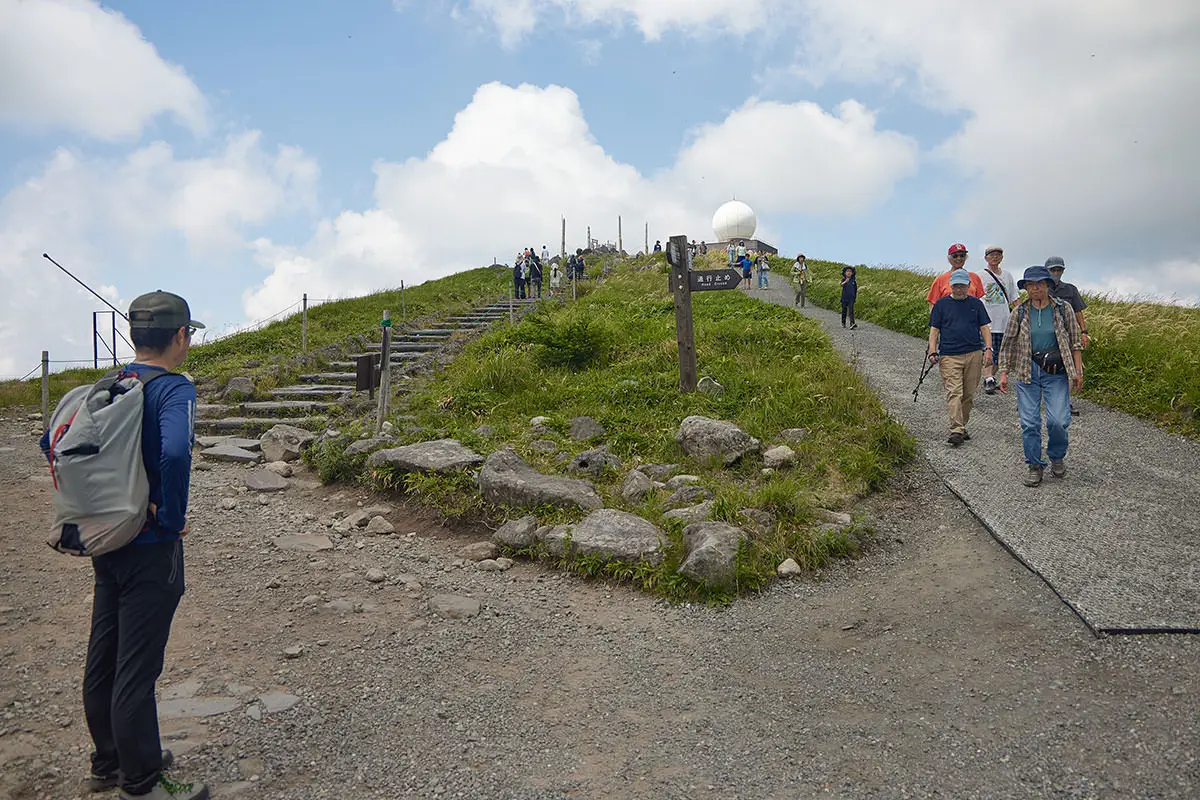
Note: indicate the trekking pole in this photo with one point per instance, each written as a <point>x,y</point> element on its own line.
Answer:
<point>929,365</point>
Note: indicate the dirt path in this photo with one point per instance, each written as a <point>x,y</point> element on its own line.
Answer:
<point>935,666</point>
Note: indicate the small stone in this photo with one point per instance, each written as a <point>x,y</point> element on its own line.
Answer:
<point>295,651</point>
<point>518,533</point>
<point>274,702</point>
<point>375,576</point>
<point>380,527</point>
<point>484,431</point>
<point>387,428</point>
<point>788,567</point>
<point>547,446</point>
<point>539,422</point>
<point>767,472</point>
<point>280,468</point>
<point>688,495</point>
<point>682,480</point>
<point>254,712</point>
<point>505,563</point>
<point>585,428</point>
<point>450,606</point>
<point>228,503</point>
<point>709,386</point>
<point>834,517</point>
<point>260,480</point>
<point>488,565</point>
<point>263,500</point>
<point>304,542</point>
<point>779,457</point>
<point>794,435</point>
<point>636,486</point>
<point>274,583</point>
<point>479,551</point>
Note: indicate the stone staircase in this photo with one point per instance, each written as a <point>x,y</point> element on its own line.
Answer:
<point>316,396</point>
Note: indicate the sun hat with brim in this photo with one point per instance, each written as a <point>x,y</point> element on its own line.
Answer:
<point>960,276</point>
<point>1034,274</point>
<point>1055,262</point>
<point>992,248</point>
<point>161,310</point>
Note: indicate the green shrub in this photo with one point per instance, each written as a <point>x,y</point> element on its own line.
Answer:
<point>569,339</point>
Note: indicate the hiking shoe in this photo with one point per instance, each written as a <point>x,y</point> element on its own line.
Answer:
<point>966,435</point>
<point>989,385</point>
<point>102,783</point>
<point>853,326</point>
<point>1034,478</point>
<point>955,439</point>
<point>1074,410</point>
<point>1058,468</point>
<point>167,789</point>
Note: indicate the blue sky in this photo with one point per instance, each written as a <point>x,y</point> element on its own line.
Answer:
<point>242,154</point>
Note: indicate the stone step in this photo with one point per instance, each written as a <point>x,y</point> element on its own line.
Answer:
<point>429,332</point>
<point>281,408</point>
<point>317,392</point>
<point>406,347</point>
<point>330,378</point>
<point>256,426</point>
<point>396,363</point>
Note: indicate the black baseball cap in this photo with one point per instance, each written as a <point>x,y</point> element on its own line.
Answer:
<point>161,310</point>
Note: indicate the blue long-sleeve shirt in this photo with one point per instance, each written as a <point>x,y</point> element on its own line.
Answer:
<point>168,420</point>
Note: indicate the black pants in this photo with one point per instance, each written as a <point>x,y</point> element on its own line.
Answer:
<point>847,307</point>
<point>520,289</point>
<point>137,591</point>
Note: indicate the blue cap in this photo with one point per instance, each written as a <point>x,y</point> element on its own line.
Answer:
<point>1035,273</point>
<point>960,276</point>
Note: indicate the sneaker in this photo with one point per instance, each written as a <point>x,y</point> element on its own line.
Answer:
<point>989,385</point>
<point>955,439</point>
<point>966,435</point>
<point>1074,410</point>
<point>167,789</point>
<point>853,326</point>
<point>1058,468</point>
<point>1034,478</point>
<point>102,783</point>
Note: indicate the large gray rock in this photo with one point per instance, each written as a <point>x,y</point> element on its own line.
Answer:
<point>613,535</point>
<point>479,551</point>
<point>506,479</point>
<point>584,428</point>
<point>285,442</point>
<point>704,438</point>
<point>594,462</point>
<point>697,513</point>
<point>711,550</point>
<point>636,486</point>
<point>451,606</point>
<point>688,495</point>
<point>261,480</point>
<point>443,455</point>
<point>235,455</point>
<point>518,533</point>
<point>239,388</point>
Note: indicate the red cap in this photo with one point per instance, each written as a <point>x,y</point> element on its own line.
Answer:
<point>956,248</point>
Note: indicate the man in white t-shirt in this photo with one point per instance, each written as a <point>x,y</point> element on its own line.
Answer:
<point>999,297</point>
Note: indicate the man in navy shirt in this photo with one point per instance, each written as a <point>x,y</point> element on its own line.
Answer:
<point>139,586</point>
<point>959,327</point>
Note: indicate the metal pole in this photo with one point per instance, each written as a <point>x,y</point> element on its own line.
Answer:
<point>588,246</point>
<point>114,338</point>
<point>84,285</point>
<point>95,344</point>
<point>647,238</point>
<point>45,390</point>
<point>620,241</point>
<point>563,253</point>
<point>385,376</point>
<point>304,326</point>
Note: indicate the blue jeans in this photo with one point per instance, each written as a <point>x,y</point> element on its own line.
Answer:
<point>1055,392</point>
<point>762,279</point>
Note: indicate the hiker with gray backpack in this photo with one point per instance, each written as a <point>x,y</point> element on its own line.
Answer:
<point>120,454</point>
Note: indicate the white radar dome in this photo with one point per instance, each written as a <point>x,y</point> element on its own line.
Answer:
<point>734,220</point>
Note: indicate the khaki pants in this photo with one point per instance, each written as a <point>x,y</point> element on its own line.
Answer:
<point>960,375</point>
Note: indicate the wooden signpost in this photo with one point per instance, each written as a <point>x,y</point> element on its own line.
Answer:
<point>684,281</point>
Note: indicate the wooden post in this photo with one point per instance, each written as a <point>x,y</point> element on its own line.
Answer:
<point>45,390</point>
<point>685,334</point>
<point>620,241</point>
<point>647,238</point>
<point>404,304</point>
<point>510,302</point>
<point>385,374</point>
<point>588,246</point>
<point>304,326</point>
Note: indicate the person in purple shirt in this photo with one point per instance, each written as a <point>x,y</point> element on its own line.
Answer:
<point>139,586</point>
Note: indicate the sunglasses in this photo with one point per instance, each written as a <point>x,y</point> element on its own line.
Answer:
<point>959,255</point>
<point>191,331</point>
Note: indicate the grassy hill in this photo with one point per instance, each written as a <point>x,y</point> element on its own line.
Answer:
<point>280,340</point>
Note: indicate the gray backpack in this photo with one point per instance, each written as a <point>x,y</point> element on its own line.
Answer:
<point>101,491</point>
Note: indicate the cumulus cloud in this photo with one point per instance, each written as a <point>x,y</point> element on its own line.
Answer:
<point>110,218</point>
<point>73,64</point>
<point>496,181</point>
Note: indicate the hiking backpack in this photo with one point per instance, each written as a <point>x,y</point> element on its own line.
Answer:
<point>101,491</point>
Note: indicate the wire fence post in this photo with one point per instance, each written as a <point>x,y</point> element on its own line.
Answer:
<point>45,390</point>
<point>304,326</point>
<point>403,305</point>
<point>385,373</point>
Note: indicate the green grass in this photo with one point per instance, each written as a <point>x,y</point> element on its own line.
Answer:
<point>1143,359</point>
<point>612,356</point>
<point>328,323</point>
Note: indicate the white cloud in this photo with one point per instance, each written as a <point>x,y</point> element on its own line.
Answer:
<point>498,181</point>
<point>73,64</point>
<point>111,220</point>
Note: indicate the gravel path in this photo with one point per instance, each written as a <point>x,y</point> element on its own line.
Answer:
<point>1118,539</point>
<point>936,666</point>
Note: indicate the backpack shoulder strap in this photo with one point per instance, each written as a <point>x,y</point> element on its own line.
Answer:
<point>150,374</point>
